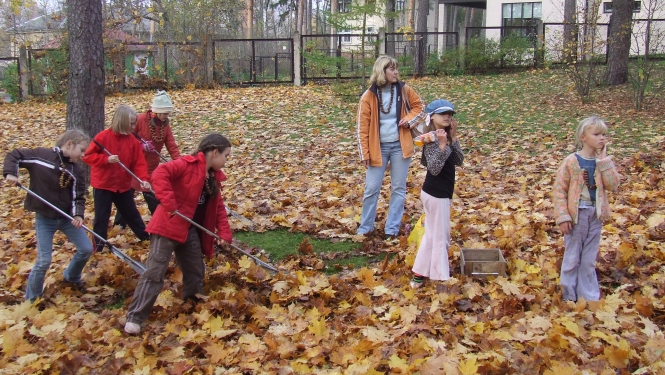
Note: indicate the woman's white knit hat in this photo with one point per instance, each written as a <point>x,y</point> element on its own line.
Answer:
<point>162,103</point>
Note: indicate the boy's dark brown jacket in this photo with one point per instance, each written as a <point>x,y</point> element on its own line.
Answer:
<point>44,167</point>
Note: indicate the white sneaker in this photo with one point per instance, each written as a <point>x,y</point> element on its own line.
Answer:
<point>132,328</point>
<point>414,285</point>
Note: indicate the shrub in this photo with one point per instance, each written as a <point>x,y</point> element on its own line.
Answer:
<point>517,51</point>
<point>10,81</point>
<point>445,64</point>
<point>482,55</point>
<point>49,70</point>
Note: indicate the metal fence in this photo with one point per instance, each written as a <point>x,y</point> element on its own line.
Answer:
<point>163,64</point>
<point>500,47</point>
<point>327,56</point>
<point>332,56</point>
<point>253,61</point>
<point>424,47</point>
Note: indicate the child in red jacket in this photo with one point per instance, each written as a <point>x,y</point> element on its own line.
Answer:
<point>154,129</point>
<point>190,185</point>
<point>111,182</point>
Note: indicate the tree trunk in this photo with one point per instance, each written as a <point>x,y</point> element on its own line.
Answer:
<point>421,40</point>
<point>301,11</point>
<point>570,32</point>
<point>618,49</point>
<point>308,17</point>
<point>390,27</point>
<point>249,19</point>
<point>85,95</point>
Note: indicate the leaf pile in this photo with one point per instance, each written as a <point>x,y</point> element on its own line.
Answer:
<point>294,165</point>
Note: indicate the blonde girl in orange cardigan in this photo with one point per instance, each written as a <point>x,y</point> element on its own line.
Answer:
<point>581,205</point>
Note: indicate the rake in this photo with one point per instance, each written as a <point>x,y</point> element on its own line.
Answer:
<point>249,223</point>
<point>135,265</point>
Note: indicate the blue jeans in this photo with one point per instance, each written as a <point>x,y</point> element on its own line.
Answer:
<point>45,229</point>
<point>399,167</point>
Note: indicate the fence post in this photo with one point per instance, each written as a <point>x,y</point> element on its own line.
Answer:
<point>209,60</point>
<point>461,46</point>
<point>23,78</point>
<point>297,50</point>
<point>540,46</point>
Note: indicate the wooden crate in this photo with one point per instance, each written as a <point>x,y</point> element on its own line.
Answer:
<point>482,262</point>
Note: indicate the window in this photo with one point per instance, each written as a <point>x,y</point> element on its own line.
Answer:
<point>399,5</point>
<point>371,30</point>
<point>343,6</point>
<point>637,7</point>
<point>346,38</point>
<point>522,18</point>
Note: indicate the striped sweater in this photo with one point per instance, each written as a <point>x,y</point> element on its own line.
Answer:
<point>570,181</point>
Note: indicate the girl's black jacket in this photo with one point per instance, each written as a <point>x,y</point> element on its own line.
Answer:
<point>45,166</point>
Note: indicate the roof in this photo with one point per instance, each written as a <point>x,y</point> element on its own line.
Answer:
<point>47,22</point>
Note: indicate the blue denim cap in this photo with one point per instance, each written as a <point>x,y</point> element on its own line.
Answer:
<point>439,106</point>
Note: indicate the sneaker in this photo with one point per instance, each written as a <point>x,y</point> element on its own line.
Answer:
<point>132,328</point>
<point>391,239</point>
<point>415,284</point>
<point>76,285</point>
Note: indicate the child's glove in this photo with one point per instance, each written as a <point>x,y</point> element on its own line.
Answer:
<point>148,147</point>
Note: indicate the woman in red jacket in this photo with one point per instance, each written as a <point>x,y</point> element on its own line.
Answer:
<point>190,185</point>
<point>153,127</point>
<point>111,182</point>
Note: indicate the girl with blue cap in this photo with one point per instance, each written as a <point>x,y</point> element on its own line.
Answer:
<point>440,156</point>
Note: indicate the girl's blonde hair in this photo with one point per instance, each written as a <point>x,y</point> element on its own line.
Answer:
<point>593,122</point>
<point>74,135</point>
<point>121,122</point>
<point>379,72</point>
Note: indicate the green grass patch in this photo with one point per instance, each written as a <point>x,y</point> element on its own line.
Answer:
<point>281,243</point>
<point>118,304</point>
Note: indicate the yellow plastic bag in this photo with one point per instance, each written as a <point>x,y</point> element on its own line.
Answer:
<point>417,232</point>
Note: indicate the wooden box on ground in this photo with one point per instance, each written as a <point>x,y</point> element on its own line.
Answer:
<point>482,262</point>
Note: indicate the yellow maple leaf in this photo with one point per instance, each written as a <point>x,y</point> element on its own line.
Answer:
<point>572,327</point>
<point>618,356</point>
<point>396,362</point>
<point>468,367</point>
<point>318,327</point>
<point>245,262</point>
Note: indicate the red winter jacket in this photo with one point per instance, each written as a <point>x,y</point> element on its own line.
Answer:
<point>178,185</point>
<point>142,128</point>
<point>113,177</point>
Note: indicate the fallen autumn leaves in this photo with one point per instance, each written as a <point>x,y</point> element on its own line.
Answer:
<point>294,165</point>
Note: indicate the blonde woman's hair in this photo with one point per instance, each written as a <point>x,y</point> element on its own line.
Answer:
<point>74,135</point>
<point>379,72</point>
<point>593,122</point>
<point>121,122</point>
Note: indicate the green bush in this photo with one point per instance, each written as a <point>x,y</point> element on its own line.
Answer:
<point>445,64</point>
<point>10,81</point>
<point>49,70</point>
<point>319,63</point>
<point>482,55</point>
<point>516,51</point>
<point>406,64</point>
